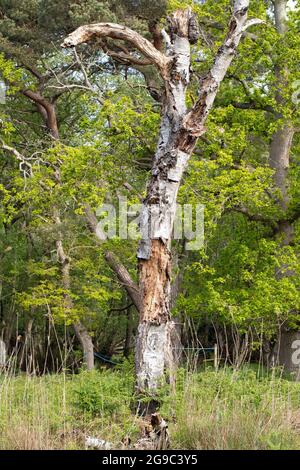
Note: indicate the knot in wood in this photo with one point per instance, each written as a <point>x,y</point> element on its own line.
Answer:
<point>243,11</point>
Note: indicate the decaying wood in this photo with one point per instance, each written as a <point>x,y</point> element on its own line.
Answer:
<point>160,430</point>
<point>154,280</point>
<point>180,128</point>
<point>155,434</point>
<point>178,136</point>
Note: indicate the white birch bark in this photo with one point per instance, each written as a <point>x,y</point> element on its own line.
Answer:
<point>178,136</point>
<point>179,132</point>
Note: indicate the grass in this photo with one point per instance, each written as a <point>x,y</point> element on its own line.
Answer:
<point>235,410</point>
<point>222,409</point>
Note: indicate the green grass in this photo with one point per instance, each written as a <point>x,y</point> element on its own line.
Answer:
<point>58,411</point>
<point>235,410</point>
<point>211,409</point>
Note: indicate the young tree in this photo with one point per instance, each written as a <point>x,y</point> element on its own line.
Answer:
<point>179,131</point>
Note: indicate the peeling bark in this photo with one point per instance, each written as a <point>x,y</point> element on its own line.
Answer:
<point>154,355</point>
<point>179,132</point>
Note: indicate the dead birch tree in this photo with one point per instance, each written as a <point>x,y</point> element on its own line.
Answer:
<point>179,131</point>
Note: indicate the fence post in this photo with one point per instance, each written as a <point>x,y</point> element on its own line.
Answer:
<point>216,356</point>
<point>2,354</point>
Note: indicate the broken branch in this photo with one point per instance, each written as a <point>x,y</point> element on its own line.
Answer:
<point>116,31</point>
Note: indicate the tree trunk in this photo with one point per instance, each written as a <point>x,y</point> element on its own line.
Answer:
<point>86,344</point>
<point>129,333</point>
<point>286,352</point>
<point>80,330</point>
<point>154,352</point>
<point>3,354</point>
<point>178,135</point>
<point>279,160</point>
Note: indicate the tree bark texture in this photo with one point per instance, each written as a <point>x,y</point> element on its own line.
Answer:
<point>179,131</point>
<point>157,332</point>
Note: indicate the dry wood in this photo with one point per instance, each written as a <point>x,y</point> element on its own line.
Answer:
<point>180,128</point>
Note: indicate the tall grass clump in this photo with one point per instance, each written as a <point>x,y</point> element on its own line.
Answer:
<point>58,411</point>
<point>229,409</point>
<point>210,409</point>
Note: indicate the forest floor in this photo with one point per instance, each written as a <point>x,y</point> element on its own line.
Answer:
<point>210,409</point>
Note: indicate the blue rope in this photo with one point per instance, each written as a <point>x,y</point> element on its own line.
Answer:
<point>104,359</point>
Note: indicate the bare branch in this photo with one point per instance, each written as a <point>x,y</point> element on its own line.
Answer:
<point>195,119</point>
<point>25,166</point>
<point>254,105</point>
<point>69,86</point>
<point>116,31</point>
<point>82,68</point>
<point>253,22</point>
<point>251,217</point>
<point>126,58</point>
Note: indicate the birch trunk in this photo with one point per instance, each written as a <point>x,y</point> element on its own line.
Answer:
<point>3,354</point>
<point>178,135</point>
<point>154,353</point>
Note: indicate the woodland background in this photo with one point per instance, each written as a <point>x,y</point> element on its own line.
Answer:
<point>79,129</point>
